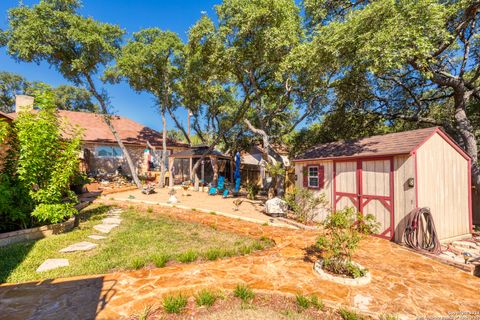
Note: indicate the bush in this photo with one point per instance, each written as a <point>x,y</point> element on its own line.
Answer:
<point>243,292</point>
<point>205,298</point>
<point>305,204</point>
<point>174,303</point>
<point>252,190</point>
<point>343,231</point>
<point>53,213</point>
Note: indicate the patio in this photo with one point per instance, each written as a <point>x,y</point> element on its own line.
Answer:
<point>403,283</point>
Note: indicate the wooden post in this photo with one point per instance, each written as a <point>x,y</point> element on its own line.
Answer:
<point>203,174</point>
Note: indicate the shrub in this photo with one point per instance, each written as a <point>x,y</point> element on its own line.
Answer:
<point>205,298</point>
<point>243,292</point>
<point>252,190</point>
<point>302,301</point>
<point>174,303</point>
<point>305,204</point>
<point>343,231</point>
<point>53,213</point>
<point>188,256</point>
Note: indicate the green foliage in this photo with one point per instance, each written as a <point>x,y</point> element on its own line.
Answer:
<point>53,213</point>
<point>252,190</point>
<point>206,298</point>
<point>160,260</point>
<point>349,315</point>
<point>243,292</point>
<point>388,317</point>
<point>343,230</point>
<point>174,303</point>
<point>188,256</point>
<point>306,204</point>
<point>302,301</point>
<point>317,303</point>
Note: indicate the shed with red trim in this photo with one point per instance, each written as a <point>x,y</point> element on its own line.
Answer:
<point>390,175</point>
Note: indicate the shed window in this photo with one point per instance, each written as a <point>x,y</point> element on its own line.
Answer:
<point>313,176</point>
<point>108,152</point>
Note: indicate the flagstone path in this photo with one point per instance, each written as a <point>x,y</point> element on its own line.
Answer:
<point>402,283</point>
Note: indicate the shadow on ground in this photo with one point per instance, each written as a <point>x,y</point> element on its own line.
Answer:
<point>48,299</point>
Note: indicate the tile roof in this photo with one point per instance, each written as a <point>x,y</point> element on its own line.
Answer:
<point>382,145</point>
<point>131,132</point>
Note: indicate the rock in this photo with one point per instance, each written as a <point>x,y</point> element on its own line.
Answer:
<point>465,244</point>
<point>105,228</point>
<point>115,211</point>
<point>172,199</point>
<point>112,220</point>
<point>97,237</point>
<point>80,246</point>
<point>51,264</point>
<point>276,207</point>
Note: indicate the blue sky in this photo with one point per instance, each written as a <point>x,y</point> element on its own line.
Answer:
<point>131,15</point>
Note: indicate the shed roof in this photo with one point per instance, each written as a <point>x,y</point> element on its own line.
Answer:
<point>96,130</point>
<point>381,145</point>
<point>6,116</point>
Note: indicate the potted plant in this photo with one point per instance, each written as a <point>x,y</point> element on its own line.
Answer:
<point>343,231</point>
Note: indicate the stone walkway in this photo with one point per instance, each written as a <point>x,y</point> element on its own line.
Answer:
<point>112,221</point>
<point>403,282</point>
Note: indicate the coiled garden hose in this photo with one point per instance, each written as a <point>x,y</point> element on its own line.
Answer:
<point>420,233</point>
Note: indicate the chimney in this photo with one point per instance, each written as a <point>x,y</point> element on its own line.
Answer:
<point>23,103</point>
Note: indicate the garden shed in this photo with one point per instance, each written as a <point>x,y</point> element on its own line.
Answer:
<point>390,175</point>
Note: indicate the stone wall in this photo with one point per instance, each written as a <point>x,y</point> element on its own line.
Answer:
<point>8,238</point>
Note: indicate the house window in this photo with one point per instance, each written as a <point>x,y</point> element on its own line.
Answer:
<point>108,152</point>
<point>313,177</point>
<point>157,158</point>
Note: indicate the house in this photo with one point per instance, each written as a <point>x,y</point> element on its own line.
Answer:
<point>252,166</point>
<point>100,152</point>
<point>390,175</point>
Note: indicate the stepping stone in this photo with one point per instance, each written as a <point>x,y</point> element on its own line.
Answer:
<point>105,228</point>
<point>112,221</point>
<point>51,264</point>
<point>80,246</point>
<point>97,237</point>
<point>115,211</point>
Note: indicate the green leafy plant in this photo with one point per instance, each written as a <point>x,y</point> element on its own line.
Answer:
<point>160,260</point>
<point>145,313</point>
<point>388,317</point>
<point>205,298</point>
<point>316,302</point>
<point>243,292</point>
<point>305,204</point>
<point>53,213</point>
<point>343,230</point>
<point>138,263</point>
<point>174,303</point>
<point>252,190</point>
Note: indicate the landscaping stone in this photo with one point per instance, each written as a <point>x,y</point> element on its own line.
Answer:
<point>51,264</point>
<point>97,237</point>
<point>318,267</point>
<point>465,244</point>
<point>276,207</point>
<point>105,228</point>
<point>80,246</point>
<point>112,220</point>
<point>172,199</point>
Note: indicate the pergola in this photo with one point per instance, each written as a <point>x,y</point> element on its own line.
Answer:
<point>214,164</point>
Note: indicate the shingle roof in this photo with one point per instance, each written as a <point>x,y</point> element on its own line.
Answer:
<point>382,145</point>
<point>198,151</point>
<point>5,116</point>
<point>131,132</point>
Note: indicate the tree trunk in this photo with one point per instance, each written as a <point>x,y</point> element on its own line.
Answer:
<point>164,150</point>
<point>106,118</point>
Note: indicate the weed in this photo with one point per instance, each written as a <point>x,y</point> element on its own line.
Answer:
<point>388,317</point>
<point>188,256</point>
<point>174,303</point>
<point>160,260</point>
<point>317,303</point>
<point>138,263</point>
<point>243,292</point>
<point>145,313</point>
<point>111,198</point>
<point>213,254</point>
<point>150,210</point>
<point>194,209</point>
<point>130,207</point>
<point>302,301</point>
<point>348,315</point>
<point>205,298</point>
<point>265,224</point>
<point>213,213</point>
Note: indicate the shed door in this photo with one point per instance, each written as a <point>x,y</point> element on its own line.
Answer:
<point>370,191</point>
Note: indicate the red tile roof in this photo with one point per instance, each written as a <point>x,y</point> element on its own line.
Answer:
<point>382,145</point>
<point>130,132</point>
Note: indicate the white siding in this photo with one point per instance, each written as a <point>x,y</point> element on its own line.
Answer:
<point>404,196</point>
<point>443,186</point>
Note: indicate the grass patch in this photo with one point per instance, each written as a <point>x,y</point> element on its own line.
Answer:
<point>302,301</point>
<point>388,317</point>
<point>244,292</point>
<point>174,303</point>
<point>188,256</point>
<point>150,210</point>
<point>349,315</point>
<point>205,298</point>
<point>140,240</point>
<point>317,303</point>
<point>145,313</point>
